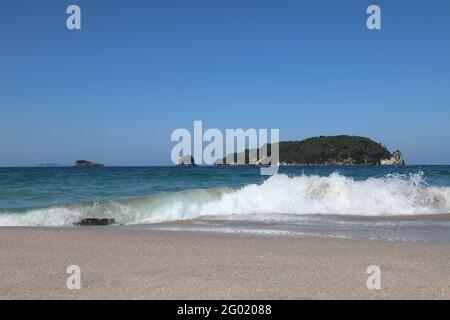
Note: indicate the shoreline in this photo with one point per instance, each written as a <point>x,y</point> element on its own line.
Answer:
<point>133,264</point>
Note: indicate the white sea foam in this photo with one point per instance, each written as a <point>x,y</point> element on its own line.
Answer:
<point>280,194</point>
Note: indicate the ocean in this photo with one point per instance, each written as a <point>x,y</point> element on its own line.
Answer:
<point>410,203</point>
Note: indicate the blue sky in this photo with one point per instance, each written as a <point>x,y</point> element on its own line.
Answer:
<point>115,90</point>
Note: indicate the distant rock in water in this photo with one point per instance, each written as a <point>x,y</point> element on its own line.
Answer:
<point>396,159</point>
<point>340,150</point>
<point>85,164</point>
<point>96,222</point>
<point>187,160</point>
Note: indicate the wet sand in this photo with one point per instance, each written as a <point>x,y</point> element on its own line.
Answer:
<point>121,264</point>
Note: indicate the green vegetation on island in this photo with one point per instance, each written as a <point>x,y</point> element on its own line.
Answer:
<point>324,150</point>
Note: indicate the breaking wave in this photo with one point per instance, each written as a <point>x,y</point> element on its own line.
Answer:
<point>392,195</point>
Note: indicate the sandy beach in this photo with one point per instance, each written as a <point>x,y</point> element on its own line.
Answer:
<point>119,264</point>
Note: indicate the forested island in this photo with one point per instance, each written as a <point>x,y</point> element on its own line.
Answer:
<point>322,150</point>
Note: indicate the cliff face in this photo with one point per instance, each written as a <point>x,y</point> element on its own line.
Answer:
<point>323,150</point>
<point>396,159</point>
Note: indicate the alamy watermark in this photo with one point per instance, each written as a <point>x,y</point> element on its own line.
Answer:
<point>374,20</point>
<point>73,282</point>
<point>374,280</point>
<point>237,147</point>
<point>73,21</point>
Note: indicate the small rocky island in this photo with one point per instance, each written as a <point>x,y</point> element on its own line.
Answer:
<point>340,150</point>
<point>87,164</point>
<point>187,161</point>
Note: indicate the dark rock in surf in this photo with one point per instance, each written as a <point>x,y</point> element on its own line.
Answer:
<point>96,222</point>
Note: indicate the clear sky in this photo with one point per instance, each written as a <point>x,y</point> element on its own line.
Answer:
<point>114,91</point>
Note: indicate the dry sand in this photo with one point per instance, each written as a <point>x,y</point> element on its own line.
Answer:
<point>182,265</point>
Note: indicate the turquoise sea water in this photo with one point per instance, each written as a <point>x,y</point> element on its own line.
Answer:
<point>367,202</point>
